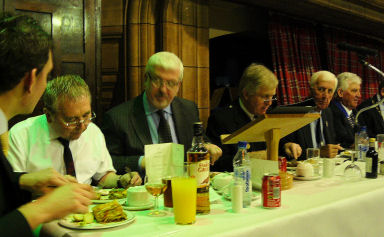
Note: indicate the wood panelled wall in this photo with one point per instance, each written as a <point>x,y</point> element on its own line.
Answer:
<point>149,26</point>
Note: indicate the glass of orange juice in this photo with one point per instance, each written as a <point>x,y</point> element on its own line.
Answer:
<point>184,190</point>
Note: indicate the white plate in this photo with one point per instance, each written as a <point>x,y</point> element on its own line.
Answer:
<point>68,223</point>
<point>255,196</point>
<point>108,200</point>
<point>139,208</point>
<point>307,178</point>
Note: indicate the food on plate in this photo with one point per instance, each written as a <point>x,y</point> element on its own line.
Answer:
<point>109,212</point>
<point>221,180</point>
<point>292,163</point>
<point>103,194</point>
<point>305,169</point>
<point>82,219</point>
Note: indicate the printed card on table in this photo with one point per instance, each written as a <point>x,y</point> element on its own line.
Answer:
<point>163,159</point>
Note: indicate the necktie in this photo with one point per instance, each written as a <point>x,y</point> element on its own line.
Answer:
<point>4,143</point>
<point>351,120</point>
<point>318,132</point>
<point>163,130</point>
<point>68,160</point>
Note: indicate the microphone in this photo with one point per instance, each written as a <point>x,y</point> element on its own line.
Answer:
<point>361,50</point>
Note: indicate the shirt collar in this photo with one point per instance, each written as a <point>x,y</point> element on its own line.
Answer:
<point>3,122</point>
<point>250,115</point>
<point>349,111</point>
<point>150,109</point>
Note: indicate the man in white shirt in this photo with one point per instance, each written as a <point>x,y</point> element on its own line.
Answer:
<point>39,142</point>
<point>343,107</point>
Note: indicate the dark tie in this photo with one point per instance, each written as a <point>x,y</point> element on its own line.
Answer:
<point>351,120</point>
<point>318,132</point>
<point>163,130</point>
<point>68,160</point>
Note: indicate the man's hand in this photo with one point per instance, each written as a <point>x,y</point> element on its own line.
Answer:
<point>292,150</point>
<point>44,181</point>
<point>130,179</point>
<point>214,151</point>
<point>330,150</point>
<point>70,198</point>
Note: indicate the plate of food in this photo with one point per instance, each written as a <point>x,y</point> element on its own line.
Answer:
<point>103,216</point>
<point>108,195</point>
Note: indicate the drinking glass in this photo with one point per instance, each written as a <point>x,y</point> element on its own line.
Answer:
<point>380,146</point>
<point>313,157</point>
<point>352,172</point>
<point>155,187</point>
<point>184,189</point>
<point>168,203</point>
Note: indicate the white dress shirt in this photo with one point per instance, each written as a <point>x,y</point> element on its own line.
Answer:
<point>34,146</point>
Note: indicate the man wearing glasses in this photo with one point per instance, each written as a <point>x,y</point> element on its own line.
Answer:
<point>65,138</point>
<point>320,133</point>
<point>155,116</point>
<point>257,91</point>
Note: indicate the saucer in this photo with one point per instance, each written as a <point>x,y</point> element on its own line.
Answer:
<point>307,178</point>
<point>137,208</point>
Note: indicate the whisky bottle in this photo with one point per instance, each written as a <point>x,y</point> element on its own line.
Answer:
<point>199,160</point>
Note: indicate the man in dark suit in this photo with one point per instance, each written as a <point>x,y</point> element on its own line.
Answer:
<point>344,108</point>
<point>26,61</point>
<point>373,118</point>
<point>257,90</point>
<point>156,116</point>
<point>319,133</point>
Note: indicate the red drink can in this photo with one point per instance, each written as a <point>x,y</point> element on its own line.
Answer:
<point>271,191</point>
<point>282,164</point>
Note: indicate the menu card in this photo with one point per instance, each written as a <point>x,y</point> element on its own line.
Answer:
<point>259,168</point>
<point>163,159</point>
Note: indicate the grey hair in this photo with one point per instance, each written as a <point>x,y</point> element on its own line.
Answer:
<point>166,60</point>
<point>324,76</point>
<point>256,76</point>
<point>68,87</point>
<point>347,78</point>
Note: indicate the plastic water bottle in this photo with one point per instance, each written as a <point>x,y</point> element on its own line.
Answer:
<point>361,143</point>
<point>242,171</point>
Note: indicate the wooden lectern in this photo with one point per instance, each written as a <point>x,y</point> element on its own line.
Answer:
<point>270,128</point>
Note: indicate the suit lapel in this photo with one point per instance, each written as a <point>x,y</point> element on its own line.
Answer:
<point>180,118</point>
<point>139,119</point>
<point>241,118</point>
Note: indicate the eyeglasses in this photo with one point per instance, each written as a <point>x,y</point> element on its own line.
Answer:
<point>158,82</point>
<point>267,99</point>
<point>77,123</point>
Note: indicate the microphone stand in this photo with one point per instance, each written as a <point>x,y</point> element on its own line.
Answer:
<point>365,63</point>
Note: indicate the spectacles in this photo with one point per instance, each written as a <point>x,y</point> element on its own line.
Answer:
<point>77,123</point>
<point>158,82</point>
<point>267,99</point>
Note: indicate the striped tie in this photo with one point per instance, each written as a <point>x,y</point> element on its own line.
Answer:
<point>351,120</point>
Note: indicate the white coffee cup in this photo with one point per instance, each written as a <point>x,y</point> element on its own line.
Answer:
<point>328,167</point>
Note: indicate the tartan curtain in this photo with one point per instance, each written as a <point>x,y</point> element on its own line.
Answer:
<point>339,61</point>
<point>294,56</point>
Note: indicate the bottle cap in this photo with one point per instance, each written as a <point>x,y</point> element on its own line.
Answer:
<point>242,144</point>
<point>372,139</point>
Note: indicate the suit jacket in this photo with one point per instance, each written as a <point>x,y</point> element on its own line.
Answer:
<point>371,118</point>
<point>12,222</point>
<point>226,121</point>
<point>345,133</point>
<point>126,130</point>
<point>303,135</point>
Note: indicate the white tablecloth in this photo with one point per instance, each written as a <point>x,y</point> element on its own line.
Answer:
<point>325,207</point>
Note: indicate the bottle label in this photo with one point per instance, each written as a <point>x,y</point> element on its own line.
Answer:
<point>368,165</point>
<point>200,170</point>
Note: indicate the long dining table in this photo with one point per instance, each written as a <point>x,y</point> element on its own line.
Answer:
<point>325,207</point>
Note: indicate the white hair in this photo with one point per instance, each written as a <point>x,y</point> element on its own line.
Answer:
<point>345,79</point>
<point>166,60</point>
<point>324,76</point>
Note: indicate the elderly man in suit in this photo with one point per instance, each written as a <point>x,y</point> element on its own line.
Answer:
<point>373,118</point>
<point>319,133</point>
<point>257,90</point>
<point>344,106</point>
<point>155,116</point>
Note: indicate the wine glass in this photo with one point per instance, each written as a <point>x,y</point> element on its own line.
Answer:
<point>155,187</point>
<point>352,172</point>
